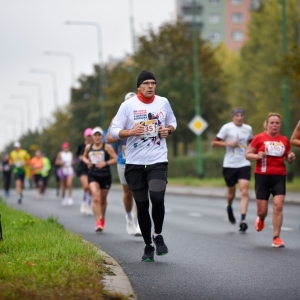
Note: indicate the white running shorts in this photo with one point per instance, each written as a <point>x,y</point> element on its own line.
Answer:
<point>121,172</point>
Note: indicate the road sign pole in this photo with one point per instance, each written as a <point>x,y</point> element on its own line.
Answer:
<point>197,90</point>
<point>285,89</point>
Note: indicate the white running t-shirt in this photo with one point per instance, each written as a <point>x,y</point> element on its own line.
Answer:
<point>67,160</point>
<point>235,156</point>
<point>149,148</point>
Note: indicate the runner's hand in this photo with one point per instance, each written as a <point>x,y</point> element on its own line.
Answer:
<point>233,144</point>
<point>100,164</point>
<point>261,155</point>
<point>163,131</point>
<point>291,157</point>
<point>137,130</point>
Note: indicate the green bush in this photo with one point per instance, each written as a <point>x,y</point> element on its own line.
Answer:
<point>187,165</point>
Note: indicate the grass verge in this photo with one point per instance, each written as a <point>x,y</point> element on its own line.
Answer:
<point>219,182</point>
<point>41,260</point>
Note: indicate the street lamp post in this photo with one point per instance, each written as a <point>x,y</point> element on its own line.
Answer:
<point>72,63</point>
<point>14,107</point>
<point>15,96</point>
<point>197,90</point>
<point>101,67</point>
<point>134,73</point>
<point>39,89</point>
<point>53,76</point>
<point>13,122</point>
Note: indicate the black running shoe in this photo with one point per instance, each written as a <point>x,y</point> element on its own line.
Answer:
<point>231,217</point>
<point>161,247</point>
<point>148,255</point>
<point>243,226</point>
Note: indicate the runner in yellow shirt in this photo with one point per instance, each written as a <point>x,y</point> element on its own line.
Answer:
<point>19,158</point>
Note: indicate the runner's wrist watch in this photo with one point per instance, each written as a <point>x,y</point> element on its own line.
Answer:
<point>169,131</point>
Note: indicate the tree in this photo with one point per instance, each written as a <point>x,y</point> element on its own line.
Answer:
<point>259,86</point>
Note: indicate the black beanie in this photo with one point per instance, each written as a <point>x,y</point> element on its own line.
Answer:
<point>144,75</point>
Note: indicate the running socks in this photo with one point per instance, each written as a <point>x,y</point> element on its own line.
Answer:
<point>129,215</point>
<point>85,196</point>
<point>243,217</point>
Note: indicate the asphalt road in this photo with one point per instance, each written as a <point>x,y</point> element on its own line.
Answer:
<point>208,258</point>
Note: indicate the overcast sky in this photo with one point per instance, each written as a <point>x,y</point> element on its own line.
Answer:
<point>29,28</point>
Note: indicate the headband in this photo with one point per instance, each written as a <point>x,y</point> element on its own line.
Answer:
<point>237,111</point>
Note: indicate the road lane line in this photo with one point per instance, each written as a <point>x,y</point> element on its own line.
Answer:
<point>194,214</point>
<point>284,228</point>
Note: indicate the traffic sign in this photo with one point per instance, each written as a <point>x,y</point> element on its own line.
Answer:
<point>198,125</point>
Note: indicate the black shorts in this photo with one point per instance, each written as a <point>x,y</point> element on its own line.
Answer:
<point>20,177</point>
<point>45,179</point>
<point>82,171</point>
<point>37,179</point>
<point>265,185</point>
<point>103,181</point>
<point>138,176</point>
<point>233,175</point>
<point>56,176</point>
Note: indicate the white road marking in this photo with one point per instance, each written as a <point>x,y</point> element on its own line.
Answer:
<point>284,228</point>
<point>194,214</point>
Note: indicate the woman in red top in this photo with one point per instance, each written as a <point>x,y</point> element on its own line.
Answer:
<point>269,149</point>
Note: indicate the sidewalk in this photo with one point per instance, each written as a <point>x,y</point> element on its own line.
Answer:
<point>215,192</point>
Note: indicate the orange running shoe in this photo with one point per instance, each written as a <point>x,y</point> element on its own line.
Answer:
<point>100,225</point>
<point>259,224</point>
<point>278,243</point>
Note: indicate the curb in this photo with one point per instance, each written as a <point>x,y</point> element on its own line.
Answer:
<point>118,281</point>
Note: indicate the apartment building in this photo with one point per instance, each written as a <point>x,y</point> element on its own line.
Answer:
<point>219,20</point>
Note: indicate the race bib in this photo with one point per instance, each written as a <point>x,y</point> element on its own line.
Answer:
<point>6,168</point>
<point>18,164</point>
<point>123,151</point>
<point>240,149</point>
<point>96,156</point>
<point>274,149</point>
<point>150,128</point>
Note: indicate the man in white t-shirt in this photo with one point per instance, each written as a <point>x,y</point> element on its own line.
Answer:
<point>235,137</point>
<point>146,120</point>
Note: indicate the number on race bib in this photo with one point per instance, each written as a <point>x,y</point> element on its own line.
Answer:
<point>150,128</point>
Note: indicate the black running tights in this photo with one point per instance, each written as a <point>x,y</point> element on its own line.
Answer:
<point>156,192</point>
<point>6,179</point>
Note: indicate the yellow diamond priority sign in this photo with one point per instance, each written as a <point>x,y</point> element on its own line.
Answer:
<point>197,125</point>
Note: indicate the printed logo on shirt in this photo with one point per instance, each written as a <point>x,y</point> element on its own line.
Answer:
<point>274,148</point>
<point>140,114</point>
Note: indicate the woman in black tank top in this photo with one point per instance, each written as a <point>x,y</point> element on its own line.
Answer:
<point>99,156</point>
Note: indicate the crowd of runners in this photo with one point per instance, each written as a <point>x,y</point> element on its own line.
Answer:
<point>136,143</point>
